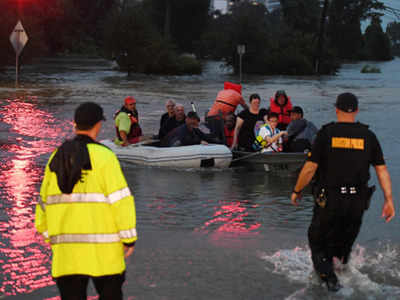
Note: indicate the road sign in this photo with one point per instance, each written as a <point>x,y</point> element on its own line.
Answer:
<point>18,38</point>
<point>241,49</point>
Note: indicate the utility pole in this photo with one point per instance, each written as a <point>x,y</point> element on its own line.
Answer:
<point>320,46</point>
<point>241,49</point>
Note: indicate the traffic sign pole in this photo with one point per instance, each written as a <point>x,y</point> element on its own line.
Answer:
<point>18,39</point>
<point>16,70</point>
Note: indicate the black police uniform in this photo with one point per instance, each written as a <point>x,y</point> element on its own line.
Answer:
<point>344,153</point>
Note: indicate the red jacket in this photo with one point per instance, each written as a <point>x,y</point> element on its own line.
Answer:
<point>282,111</point>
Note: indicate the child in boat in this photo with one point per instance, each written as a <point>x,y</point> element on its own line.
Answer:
<point>269,137</point>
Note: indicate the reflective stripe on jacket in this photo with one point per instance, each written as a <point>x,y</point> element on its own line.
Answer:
<point>87,228</point>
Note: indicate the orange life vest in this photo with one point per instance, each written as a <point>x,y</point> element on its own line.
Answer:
<point>226,102</point>
<point>282,111</point>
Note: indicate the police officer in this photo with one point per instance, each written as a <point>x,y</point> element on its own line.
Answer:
<point>340,159</point>
<point>86,212</point>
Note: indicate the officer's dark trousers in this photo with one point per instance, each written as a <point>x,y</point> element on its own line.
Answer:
<point>73,287</point>
<point>334,229</point>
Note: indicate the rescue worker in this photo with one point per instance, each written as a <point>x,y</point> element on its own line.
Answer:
<point>282,105</point>
<point>127,123</point>
<point>341,156</point>
<point>226,102</point>
<point>87,212</point>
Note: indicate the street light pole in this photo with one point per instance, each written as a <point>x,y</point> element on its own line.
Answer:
<point>241,49</point>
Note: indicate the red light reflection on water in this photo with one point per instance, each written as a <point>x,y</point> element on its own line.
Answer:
<point>24,257</point>
<point>231,220</point>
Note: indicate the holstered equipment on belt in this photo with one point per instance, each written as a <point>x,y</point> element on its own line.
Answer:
<point>368,196</point>
<point>319,194</point>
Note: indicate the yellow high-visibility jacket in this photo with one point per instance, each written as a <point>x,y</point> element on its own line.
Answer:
<point>87,228</point>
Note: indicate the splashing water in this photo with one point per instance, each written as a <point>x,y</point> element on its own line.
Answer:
<point>375,276</point>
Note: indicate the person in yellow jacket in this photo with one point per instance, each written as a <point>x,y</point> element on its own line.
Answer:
<point>87,212</point>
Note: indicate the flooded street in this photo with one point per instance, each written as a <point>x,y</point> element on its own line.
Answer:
<point>207,234</point>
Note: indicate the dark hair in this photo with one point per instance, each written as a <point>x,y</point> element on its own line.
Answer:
<point>263,112</point>
<point>273,115</point>
<point>254,96</point>
<point>193,115</point>
<point>87,115</point>
<point>297,110</point>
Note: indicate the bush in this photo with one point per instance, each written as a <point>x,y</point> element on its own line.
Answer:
<point>138,47</point>
<point>370,69</point>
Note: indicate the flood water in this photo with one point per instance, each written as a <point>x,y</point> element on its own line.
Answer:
<point>207,234</point>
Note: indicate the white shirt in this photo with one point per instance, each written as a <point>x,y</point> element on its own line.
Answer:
<point>267,131</point>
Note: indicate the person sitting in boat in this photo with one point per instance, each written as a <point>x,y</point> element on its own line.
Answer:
<point>127,123</point>
<point>171,123</point>
<point>301,133</point>
<point>226,103</point>
<point>186,134</point>
<point>170,106</point>
<point>245,122</point>
<point>282,105</point>
<point>229,128</point>
<point>269,138</point>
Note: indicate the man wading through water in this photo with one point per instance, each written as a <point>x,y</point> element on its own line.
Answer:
<point>341,156</point>
<point>86,212</point>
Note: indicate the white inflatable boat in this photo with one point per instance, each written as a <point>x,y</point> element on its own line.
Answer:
<point>196,156</point>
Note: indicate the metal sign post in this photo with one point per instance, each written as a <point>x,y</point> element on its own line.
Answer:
<point>241,49</point>
<point>18,39</point>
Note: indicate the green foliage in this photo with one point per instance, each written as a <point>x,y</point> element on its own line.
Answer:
<point>370,69</point>
<point>138,47</point>
<point>344,26</point>
<point>302,15</point>
<point>181,21</point>
<point>377,43</point>
<point>272,45</point>
<point>393,32</point>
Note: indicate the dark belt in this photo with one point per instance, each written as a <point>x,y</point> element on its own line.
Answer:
<point>226,103</point>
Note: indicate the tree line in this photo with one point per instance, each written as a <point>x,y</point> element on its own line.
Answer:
<point>303,37</point>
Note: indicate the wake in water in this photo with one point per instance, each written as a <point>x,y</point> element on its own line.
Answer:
<point>375,276</point>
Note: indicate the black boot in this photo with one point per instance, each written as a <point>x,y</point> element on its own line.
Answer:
<point>332,283</point>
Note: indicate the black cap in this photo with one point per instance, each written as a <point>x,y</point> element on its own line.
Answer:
<point>193,115</point>
<point>297,109</point>
<point>347,102</point>
<point>88,114</point>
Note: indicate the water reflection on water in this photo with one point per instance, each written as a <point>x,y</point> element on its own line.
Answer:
<point>32,132</point>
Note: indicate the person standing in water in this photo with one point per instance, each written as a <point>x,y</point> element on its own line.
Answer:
<point>86,212</point>
<point>340,158</point>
